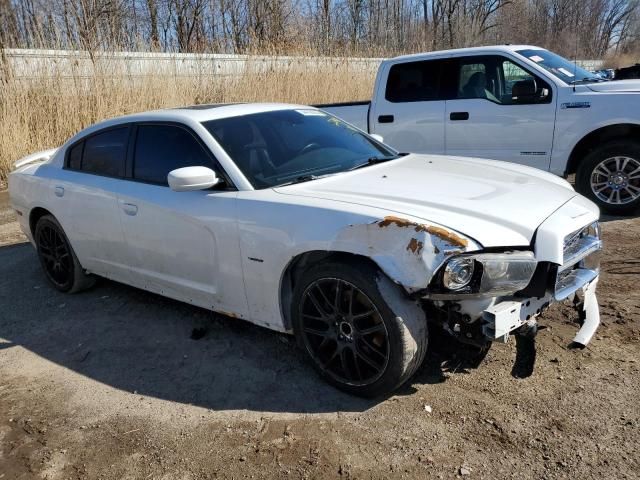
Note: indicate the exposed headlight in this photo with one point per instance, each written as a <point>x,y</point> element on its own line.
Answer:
<point>506,273</point>
<point>458,273</point>
<point>489,274</point>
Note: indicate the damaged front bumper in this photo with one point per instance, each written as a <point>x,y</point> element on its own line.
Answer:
<point>503,318</point>
<point>576,279</point>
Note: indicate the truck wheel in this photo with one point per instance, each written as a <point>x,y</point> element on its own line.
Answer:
<point>58,260</point>
<point>363,335</point>
<point>610,176</point>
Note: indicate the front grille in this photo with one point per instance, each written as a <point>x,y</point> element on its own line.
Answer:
<point>580,244</point>
<point>580,260</point>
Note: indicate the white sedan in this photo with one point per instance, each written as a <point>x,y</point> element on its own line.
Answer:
<point>289,218</point>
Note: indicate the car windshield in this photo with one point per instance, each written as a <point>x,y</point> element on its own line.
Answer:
<point>562,68</point>
<point>290,146</point>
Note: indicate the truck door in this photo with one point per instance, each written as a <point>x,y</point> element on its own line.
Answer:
<point>500,110</point>
<point>408,111</point>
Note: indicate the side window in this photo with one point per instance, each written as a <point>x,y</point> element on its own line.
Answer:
<point>477,79</point>
<point>75,156</point>
<point>162,148</point>
<point>471,80</point>
<point>513,73</point>
<point>520,86</point>
<point>414,81</point>
<point>104,153</point>
<point>499,80</point>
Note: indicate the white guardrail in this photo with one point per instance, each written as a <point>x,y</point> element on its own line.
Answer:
<point>27,64</point>
<point>33,64</point>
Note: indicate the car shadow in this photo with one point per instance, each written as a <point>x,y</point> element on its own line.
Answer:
<point>144,343</point>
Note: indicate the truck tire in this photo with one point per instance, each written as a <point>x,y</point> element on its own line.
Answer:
<point>58,260</point>
<point>610,176</point>
<point>362,333</point>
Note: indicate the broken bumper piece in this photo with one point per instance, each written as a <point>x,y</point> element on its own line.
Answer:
<point>503,318</point>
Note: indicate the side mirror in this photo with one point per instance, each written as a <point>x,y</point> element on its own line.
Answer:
<point>377,137</point>
<point>524,91</point>
<point>192,178</point>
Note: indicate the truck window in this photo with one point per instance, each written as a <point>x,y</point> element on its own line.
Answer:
<point>493,78</point>
<point>477,79</point>
<point>513,73</point>
<point>415,81</point>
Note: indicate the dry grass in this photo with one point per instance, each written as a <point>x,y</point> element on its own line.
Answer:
<point>41,113</point>
<point>622,60</point>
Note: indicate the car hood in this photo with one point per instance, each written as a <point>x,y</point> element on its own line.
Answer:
<point>495,203</point>
<point>616,86</point>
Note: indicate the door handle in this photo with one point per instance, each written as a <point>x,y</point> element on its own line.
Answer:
<point>130,208</point>
<point>59,191</point>
<point>459,116</point>
<point>385,119</point>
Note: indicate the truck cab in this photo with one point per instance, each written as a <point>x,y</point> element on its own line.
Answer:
<point>515,103</point>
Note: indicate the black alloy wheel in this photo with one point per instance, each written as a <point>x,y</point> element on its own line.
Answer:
<point>343,332</point>
<point>58,260</point>
<point>55,256</point>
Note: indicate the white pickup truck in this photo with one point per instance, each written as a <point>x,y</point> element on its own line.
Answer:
<point>516,103</point>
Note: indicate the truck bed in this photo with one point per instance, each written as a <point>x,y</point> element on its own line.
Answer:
<point>355,113</point>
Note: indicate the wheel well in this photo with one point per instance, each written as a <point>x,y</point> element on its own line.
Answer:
<point>300,263</point>
<point>35,215</point>
<point>597,137</point>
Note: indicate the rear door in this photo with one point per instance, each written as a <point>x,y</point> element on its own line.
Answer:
<point>84,200</point>
<point>483,119</point>
<point>183,244</point>
<point>409,110</point>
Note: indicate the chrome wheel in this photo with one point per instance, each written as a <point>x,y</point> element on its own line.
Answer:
<point>616,180</point>
<point>55,256</point>
<point>343,332</point>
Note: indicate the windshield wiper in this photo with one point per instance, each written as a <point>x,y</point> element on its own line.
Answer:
<point>373,161</point>
<point>303,178</point>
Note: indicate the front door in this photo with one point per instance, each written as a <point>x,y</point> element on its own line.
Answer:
<point>183,245</point>
<point>486,120</point>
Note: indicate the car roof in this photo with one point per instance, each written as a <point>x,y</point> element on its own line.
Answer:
<point>197,113</point>
<point>458,52</point>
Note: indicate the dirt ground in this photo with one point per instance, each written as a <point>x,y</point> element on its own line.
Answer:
<point>109,384</point>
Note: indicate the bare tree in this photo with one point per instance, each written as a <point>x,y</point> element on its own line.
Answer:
<point>588,28</point>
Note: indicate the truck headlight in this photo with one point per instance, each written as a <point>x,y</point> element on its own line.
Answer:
<point>489,274</point>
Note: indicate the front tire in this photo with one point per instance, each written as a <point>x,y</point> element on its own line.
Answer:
<point>57,258</point>
<point>362,333</point>
<point>610,176</point>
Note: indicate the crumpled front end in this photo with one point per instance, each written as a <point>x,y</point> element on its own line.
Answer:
<point>562,264</point>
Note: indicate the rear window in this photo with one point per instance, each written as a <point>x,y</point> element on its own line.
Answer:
<point>414,81</point>
<point>103,153</point>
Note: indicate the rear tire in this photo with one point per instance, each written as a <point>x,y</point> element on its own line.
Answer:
<point>610,176</point>
<point>57,258</point>
<point>362,333</point>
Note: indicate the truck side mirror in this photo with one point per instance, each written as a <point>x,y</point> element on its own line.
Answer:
<point>524,91</point>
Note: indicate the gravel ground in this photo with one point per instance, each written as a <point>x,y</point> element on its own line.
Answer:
<point>110,384</point>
